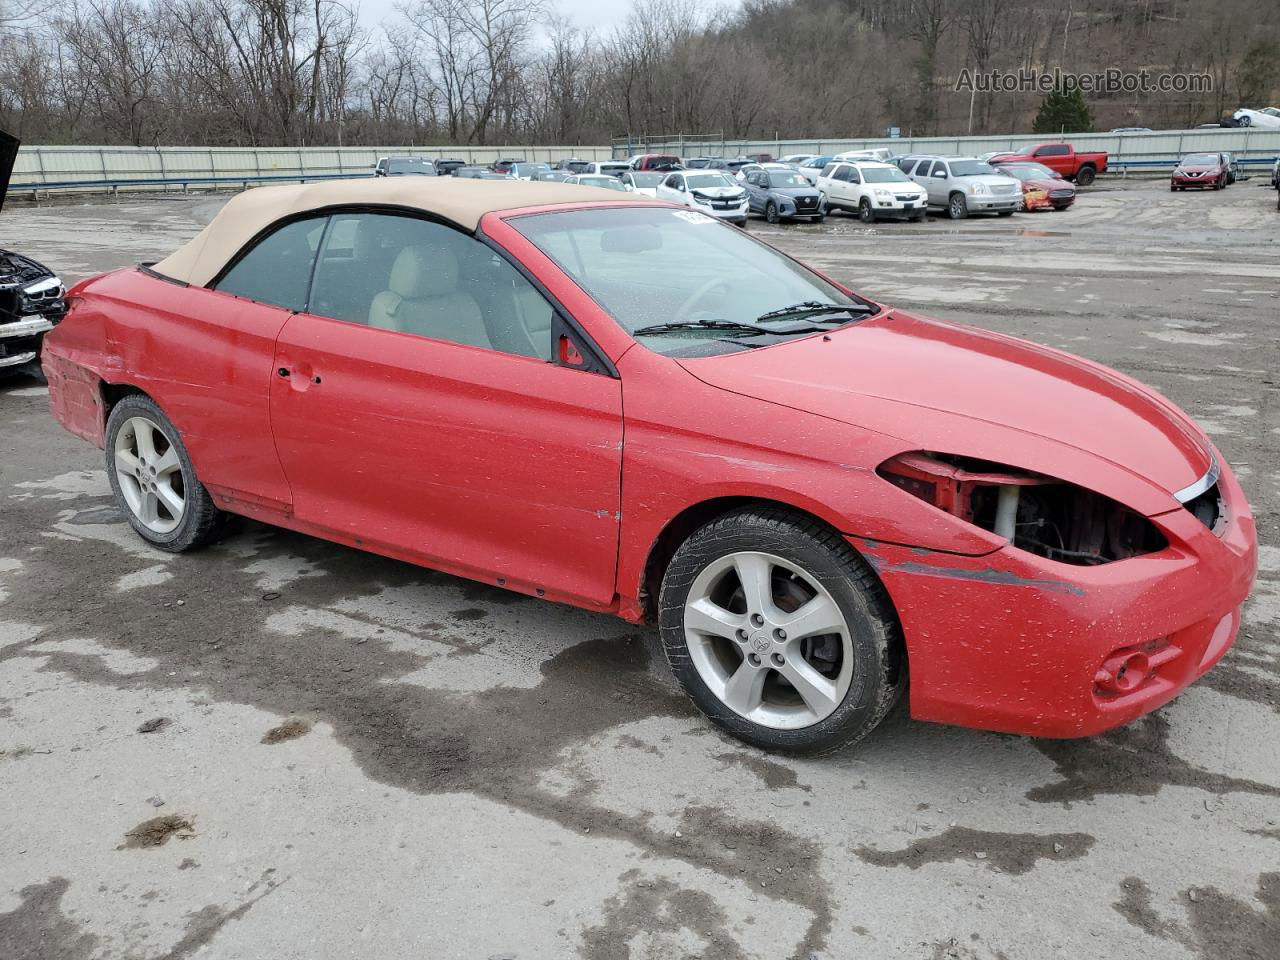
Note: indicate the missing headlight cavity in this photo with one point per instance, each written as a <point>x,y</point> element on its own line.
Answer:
<point>1036,513</point>
<point>1208,508</point>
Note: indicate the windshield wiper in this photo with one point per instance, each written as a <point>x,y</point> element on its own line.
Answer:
<point>682,325</point>
<point>812,308</point>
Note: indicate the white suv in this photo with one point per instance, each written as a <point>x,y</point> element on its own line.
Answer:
<point>871,190</point>
<point>707,191</point>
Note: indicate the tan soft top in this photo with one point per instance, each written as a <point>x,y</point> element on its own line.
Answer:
<point>463,201</point>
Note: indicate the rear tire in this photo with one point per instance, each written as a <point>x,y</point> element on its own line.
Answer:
<point>844,650</point>
<point>153,480</point>
<point>1086,175</point>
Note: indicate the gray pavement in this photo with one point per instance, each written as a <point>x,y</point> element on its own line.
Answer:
<point>281,748</point>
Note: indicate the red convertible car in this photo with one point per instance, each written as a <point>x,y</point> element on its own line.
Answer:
<point>629,407</point>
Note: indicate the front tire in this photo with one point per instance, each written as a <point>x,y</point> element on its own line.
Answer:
<point>154,483</point>
<point>780,633</point>
<point>957,208</point>
<point>865,213</point>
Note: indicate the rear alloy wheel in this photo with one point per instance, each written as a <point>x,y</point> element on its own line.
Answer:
<point>957,209</point>
<point>1085,176</point>
<point>780,633</point>
<point>865,213</point>
<point>153,480</point>
<point>771,212</point>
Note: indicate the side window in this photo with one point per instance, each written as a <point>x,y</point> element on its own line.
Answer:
<point>419,277</point>
<point>1054,150</point>
<point>854,175</point>
<point>939,170</point>
<point>278,268</point>
<point>842,173</point>
<point>828,171</point>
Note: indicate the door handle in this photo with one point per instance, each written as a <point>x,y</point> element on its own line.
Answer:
<point>284,372</point>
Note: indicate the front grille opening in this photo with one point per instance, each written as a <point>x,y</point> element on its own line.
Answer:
<point>1209,509</point>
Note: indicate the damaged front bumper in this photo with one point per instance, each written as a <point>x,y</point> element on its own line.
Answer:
<point>20,340</point>
<point>1021,644</point>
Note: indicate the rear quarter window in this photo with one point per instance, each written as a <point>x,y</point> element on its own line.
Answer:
<point>277,269</point>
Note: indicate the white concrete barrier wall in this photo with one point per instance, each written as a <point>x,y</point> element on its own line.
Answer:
<point>1135,151</point>
<point>57,164</point>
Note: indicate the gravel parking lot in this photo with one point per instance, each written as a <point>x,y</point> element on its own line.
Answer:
<point>280,748</point>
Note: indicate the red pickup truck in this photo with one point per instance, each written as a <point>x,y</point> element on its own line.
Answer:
<point>1083,168</point>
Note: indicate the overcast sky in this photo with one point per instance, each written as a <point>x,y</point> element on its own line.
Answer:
<point>597,15</point>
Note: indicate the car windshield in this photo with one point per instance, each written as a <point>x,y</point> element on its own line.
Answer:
<point>653,265</point>
<point>534,167</point>
<point>1030,171</point>
<point>787,180</point>
<point>609,183</point>
<point>705,181</point>
<point>646,179</point>
<point>1200,160</point>
<point>1027,151</point>
<point>883,175</point>
<point>404,165</point>
<point>971,168</point>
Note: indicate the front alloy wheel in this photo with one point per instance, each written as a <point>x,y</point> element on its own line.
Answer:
<point>957,209</point>
<point>779,632</point>
<point>771,212</point>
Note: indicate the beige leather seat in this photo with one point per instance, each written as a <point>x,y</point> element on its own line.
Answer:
<point>424,299</point>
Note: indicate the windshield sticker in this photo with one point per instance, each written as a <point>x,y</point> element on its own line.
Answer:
<point>692,216</point>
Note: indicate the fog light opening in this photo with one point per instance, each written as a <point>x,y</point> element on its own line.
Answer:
<point>1123,673</point>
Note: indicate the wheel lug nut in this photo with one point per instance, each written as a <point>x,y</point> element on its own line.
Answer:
<point>780,634</point>
<point>778,659</point>
<point>757,620</point>
<point>742,635</point>
<point>755,661</point>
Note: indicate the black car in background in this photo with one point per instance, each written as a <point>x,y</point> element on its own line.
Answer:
<point>32,298</point>
<point>446,167</point>
<point>404,167</point>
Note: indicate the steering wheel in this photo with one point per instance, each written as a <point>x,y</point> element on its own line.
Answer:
<point>685,310</point>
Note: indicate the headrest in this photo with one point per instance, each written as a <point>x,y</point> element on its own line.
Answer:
<point>427,270</point>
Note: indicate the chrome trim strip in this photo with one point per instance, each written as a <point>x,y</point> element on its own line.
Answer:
<point>16,360</point>
<point>1210,477</point>
<point>26,327</point>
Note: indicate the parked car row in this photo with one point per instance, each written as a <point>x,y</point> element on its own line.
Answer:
<point>873,184</point>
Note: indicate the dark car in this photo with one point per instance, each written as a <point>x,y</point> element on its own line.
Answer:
<point>404,167</point>
<point>729,164</point>
<point>571,165</point>
<point>446,167</point>
<point>504,166</point>
<point>1201,171</point>
<point>758,157</point>
<point>478,173</point>
<point>32,299</point>
<point>782,195</point>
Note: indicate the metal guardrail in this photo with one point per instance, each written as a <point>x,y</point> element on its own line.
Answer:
<point>113,186</point>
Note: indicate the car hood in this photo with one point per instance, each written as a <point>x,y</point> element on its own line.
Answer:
<point>990,179</point>
<point>794,192</point>
<point>1046,184</point>
<point>718,192</point>
<point>952,389</point>
<point>1198,168</point>
<point>8,154</point>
